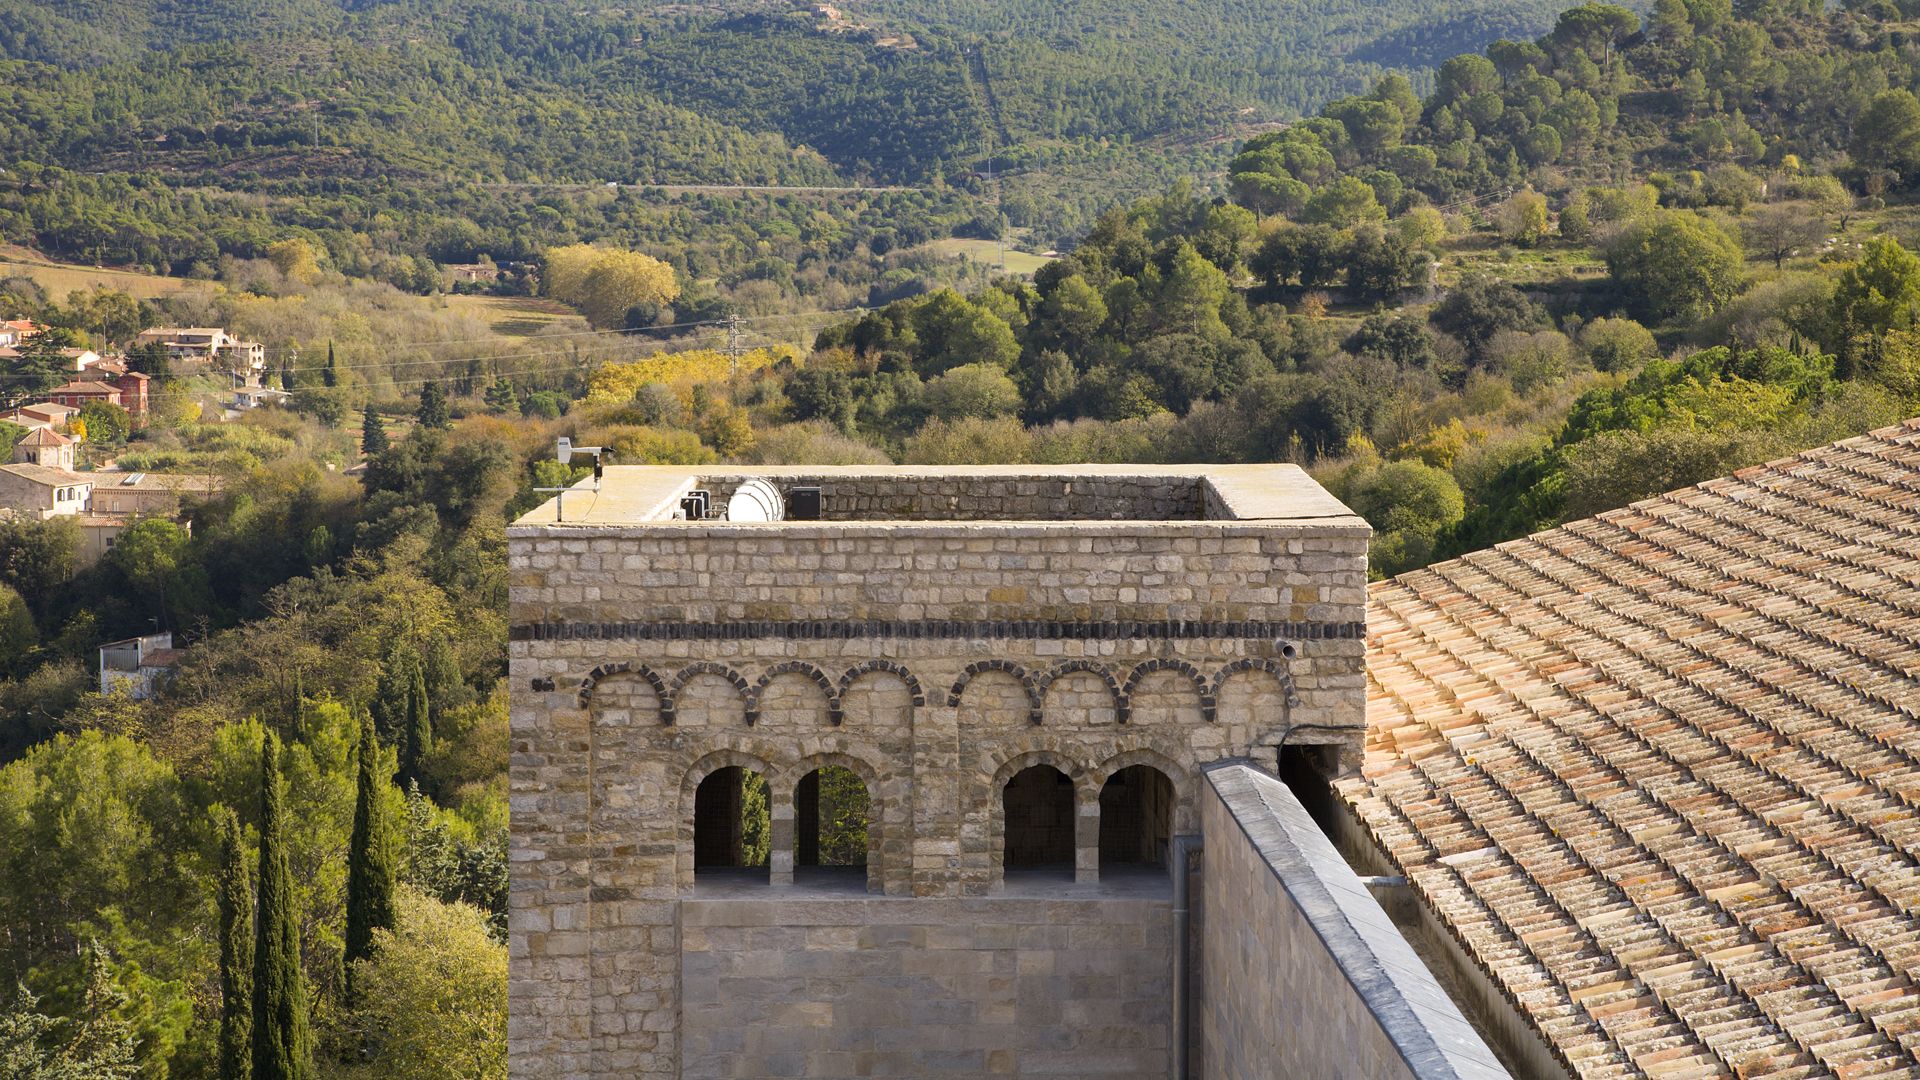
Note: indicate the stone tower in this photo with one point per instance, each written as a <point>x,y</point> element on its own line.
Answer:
<point>1024,668</point>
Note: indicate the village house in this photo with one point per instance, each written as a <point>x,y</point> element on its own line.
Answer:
<point>43,491</point>
<point>44,414</point>
<point>44,446</point>
<point>208,345</point>
<point>248,398</point>
<point>137,664</point>
<point>127,390</point>
<point>16,331</point>
<point>143,494</point>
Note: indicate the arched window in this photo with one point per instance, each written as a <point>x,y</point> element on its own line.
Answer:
<point>830,809</point>
<point>731,824</point>
<point>1038,812</point>
<point>1136,818</point>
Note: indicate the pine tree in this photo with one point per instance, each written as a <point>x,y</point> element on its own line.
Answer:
<point>282,1048</point>
<point>234,886</point>
<point>432,412</point>
<point>419,729</point>
<point>330,375</point>
<point>373,433</point>
<point>286,378</point>
<point>371,856</point>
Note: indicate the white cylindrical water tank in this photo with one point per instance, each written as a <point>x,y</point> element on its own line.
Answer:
<point>756,500</point>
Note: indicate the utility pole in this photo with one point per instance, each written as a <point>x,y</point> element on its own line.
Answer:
<point>733,345</point>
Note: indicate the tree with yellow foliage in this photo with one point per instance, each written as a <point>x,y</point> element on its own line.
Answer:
<point>432,999</point>
<point>295,258</point>
<point>606,284</point>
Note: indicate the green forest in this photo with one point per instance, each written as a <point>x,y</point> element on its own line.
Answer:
<point>1596,255</point>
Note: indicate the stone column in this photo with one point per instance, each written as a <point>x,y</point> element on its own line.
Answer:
<point>1086,834</point>
<point>779,833</point>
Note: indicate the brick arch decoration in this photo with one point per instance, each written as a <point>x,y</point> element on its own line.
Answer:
<point>981,667</point>
<point>878,806</point>
<point>707,667</point>
<point>859,671</point>
<point>622,667</point>
<point>704,766</point>
<point>1258,663</point>
<point>1199,681</point>
<point>794,667</point>
<point>1093,667</point>
<point>1175,773</point>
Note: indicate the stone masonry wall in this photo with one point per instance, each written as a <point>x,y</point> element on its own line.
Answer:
<point>958,498</point>
<point>934,661</point>
<point>1001,986</point>
<point>1302,973</point>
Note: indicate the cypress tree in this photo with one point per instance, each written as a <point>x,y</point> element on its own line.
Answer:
<point>297,703</point>
<point>235,895</point>
<point>432,412</point>
<point>373,434</point>
<point>419,721</point>
<point>370,856</point>
<point>330,375</point>
<point>282,1047</point>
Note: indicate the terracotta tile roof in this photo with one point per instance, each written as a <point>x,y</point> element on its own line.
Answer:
<point>43,437</point>
<point>1659,770</point>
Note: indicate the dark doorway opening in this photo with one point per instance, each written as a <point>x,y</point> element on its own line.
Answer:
<point>731,823</point>
<point>1038,810</point>
<point>1308,770</point>
<point>1136,818</point>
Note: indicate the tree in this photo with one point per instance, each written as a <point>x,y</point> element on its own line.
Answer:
<point>1887,135</point>
<point>1878,293</point>
<point>432,411</point>
<point>1346,202</point>
<point>95,1044</point>
<point>233,886</point>
<point>1408,503</point>
<point>972,390</point>
<point>605,283</point>
<point>1422,227</point>
<point>39,368</point>
<point>433,993</point>
<point>419,726</point>
<point>106,423</point>
<point>1523,218</point>
<point>1617,344</point>
<point>501,397</point>
<point>373,432</point>
<point>371,855</point>
<point>1480,307</point>
<point>330,375</point>
<point>1073,311</point>
<point>1780,231</point>
<point>1190,294</point>
<point>1675,264</point>
<point>282,1046</point>
<point>294,258</point>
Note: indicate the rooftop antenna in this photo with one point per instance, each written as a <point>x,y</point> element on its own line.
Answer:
<point>564,450</point>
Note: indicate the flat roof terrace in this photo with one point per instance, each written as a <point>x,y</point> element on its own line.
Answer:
<point>650,495</point>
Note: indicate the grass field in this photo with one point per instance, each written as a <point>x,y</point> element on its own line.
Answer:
<point>988,251</point>
<point>512,316</point>
<point>59,279</point>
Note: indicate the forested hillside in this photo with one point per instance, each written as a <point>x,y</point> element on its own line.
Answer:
<point>305,97</point>
<point>1567,270</point>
